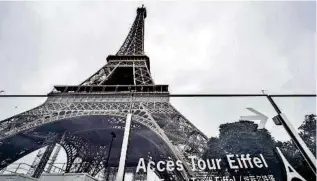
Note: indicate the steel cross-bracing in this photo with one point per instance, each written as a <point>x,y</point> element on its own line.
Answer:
<point>83,116</point>
<point>155,113</point>
<point>134,43</point>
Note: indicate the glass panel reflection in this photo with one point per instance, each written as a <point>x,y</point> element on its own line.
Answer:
<point>195,138</point>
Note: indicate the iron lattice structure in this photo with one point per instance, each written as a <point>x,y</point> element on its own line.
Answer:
<point>81,117</point>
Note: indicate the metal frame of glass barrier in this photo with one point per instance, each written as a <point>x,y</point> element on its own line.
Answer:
<point>281,119</point>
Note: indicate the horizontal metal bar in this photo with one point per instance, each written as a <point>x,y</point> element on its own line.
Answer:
<point>217,95</point>
<point>293,95</point>
<point>24,95</point>
<point>179,95</point>
<point>242,95</point>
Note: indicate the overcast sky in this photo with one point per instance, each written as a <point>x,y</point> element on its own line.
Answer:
<point>203,47</point>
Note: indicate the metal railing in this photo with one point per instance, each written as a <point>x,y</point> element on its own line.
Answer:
<point>24,168</point>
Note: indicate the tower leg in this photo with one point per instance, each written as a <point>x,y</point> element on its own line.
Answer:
<point>40,167</point>
<point>52,161</point>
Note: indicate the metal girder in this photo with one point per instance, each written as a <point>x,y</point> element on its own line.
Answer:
<point>134,43</point>
<point>51,112</point>
<point>54,157</point>
<point>41,165</point>
<point>141,73</point>
<point>142,110</point>
<point>102,75</point>
<point>142,76</point>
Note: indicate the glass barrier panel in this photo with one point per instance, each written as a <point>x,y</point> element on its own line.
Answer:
<point>176,138</point>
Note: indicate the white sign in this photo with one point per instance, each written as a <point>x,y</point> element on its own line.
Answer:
<point>257,116</point>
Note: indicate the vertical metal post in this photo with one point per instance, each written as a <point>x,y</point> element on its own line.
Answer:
<point>299,143</point>
<point>120,175</point>
<point>125,142</point>
<point>113,135</point>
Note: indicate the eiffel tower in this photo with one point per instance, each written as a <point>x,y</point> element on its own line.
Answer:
<point>81,117</point>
